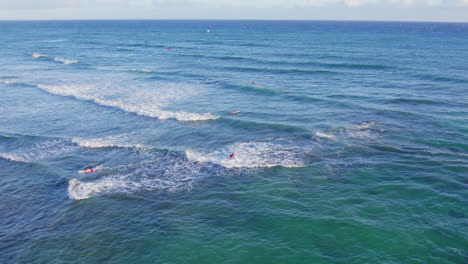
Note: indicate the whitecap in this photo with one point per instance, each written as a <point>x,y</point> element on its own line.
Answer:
<point>120,141</point>
<point>256,154</point>
<point>38,55</point>
<point>146,103</point>
<point>324,135</point>
<point>66,61</point>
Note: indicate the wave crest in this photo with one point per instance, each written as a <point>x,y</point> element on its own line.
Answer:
<point>140,103</point>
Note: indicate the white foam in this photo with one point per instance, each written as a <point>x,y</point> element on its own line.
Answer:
<point>121,141</point>
<point>324,135</point>
<point>78,190</point>
<point>254,154</point>
<point>155,172</point>
<point>13,157</point>
<point>41,151</point>
<point>66,61</point>
<point>142,102</point>
<point>38,55</point>
<point>8,82</point>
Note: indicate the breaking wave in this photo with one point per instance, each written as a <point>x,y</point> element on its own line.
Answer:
<point>257,154</point>
<point>38,55</point>
<point>139,102</point>
<point>119,141</point>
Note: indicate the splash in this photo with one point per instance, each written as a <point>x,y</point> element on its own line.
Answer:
<point>256,154</point>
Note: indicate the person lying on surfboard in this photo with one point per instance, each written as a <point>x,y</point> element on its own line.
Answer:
<point>235,112</point>
<point>232,156</point>
<point>89,170</point>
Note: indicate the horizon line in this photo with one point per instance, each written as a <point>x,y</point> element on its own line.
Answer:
<point>227,19</point>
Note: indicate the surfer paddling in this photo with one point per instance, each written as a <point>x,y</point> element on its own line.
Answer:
<point>87,170</point>
<point>232,156</point>
<point>235,112</point>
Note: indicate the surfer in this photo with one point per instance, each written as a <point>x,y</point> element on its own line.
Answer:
<point>235,112</point>
<point>232,156</point>
<point>286,91</point>
<point>87,170</point>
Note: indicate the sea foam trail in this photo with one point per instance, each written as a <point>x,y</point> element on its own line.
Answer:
<point>119,141</point>
<point>140,102</point>
<point>256,154</point>
<point>140,171</point>
<point>46,150</point>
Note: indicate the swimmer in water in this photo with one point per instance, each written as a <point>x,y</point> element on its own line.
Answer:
<point>89,170</point>
<point>232,156</point>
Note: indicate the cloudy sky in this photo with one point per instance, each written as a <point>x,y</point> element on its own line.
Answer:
<point>387,10</point>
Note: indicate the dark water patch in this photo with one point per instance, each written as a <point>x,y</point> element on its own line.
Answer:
<point>251,88</point>
<point>440,78</point>
<point>167,75</point>
<point>402,150</point>
<point>91,42</point>
<point>303,71</point>
<point>277,70</point>
<point>413,101</point>
<point>143,45</point>
<point>356,66</point>
<point>349,96</point>
<point>221,58</point>
<point>252,44</point>
<point>305,98</point>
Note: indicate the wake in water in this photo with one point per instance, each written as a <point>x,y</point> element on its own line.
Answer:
<point>366,130</point>
<point>288,153</point>
<point>141,169</point>
<point>146,102</point>
<point>45,150</point>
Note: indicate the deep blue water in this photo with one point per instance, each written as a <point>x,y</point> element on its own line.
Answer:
<point>351,142</point>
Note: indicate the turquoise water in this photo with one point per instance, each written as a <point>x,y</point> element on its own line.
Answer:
<point>350,142</point>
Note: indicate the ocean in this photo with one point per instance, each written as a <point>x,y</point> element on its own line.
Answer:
<point>350,142</point>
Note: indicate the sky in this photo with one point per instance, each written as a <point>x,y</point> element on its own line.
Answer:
<point>375,10</point>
